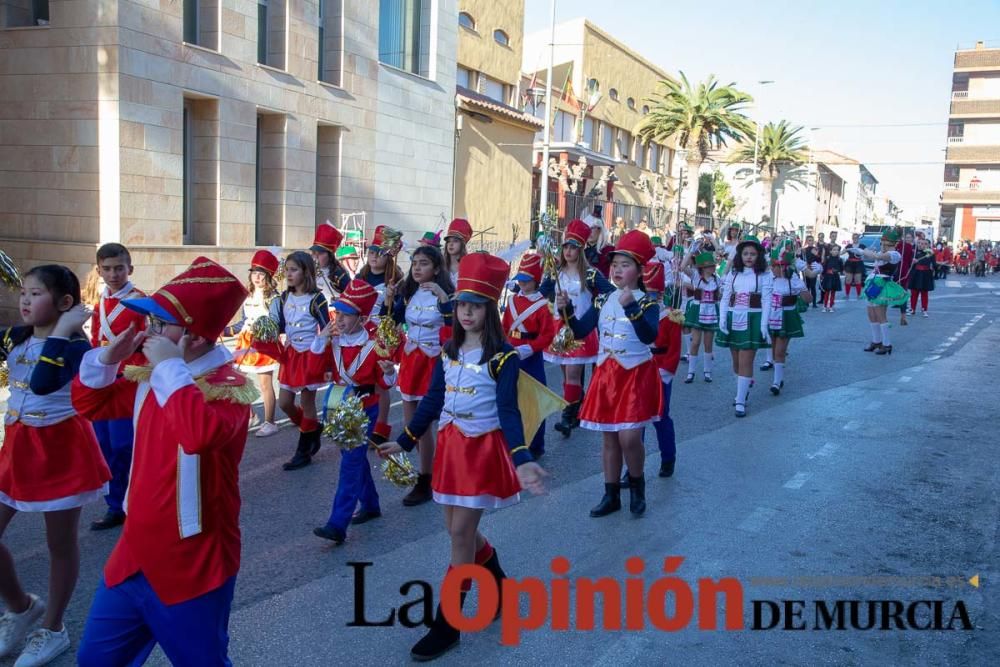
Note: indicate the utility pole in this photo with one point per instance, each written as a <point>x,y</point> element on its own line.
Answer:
<point>543,187</point>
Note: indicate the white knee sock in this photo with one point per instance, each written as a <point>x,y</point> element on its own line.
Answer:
<point>707,359</point>
<point>687,344</point>
<point>693,363</point>
<point>779,372</point>
<point>742,389</point>
<point>770,355</point>
<point>885,334</point>
<point>876,332</point>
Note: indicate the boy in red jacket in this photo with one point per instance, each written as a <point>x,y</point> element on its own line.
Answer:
<point>170,578</point>
<point>666,355</point>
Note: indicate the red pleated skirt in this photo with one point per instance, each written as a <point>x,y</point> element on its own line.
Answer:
<point>304,370</point>
<point>51,468</point>
<point>473,472</point>
<point>585,354</point>
<point>619,399</point>
<point>249,359</point>
<point>415,370</point>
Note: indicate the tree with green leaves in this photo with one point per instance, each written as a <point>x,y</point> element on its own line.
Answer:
<point>699,118</point>
<point>778,147</point>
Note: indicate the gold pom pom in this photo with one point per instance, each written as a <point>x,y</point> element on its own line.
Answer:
<point>387,337</point>
<point>676,316</point>
<point>264,330</point>
<point>399,470</point>
<point>565,342</point>
<point>347,423</point>
<point>4,375</point>
<point>8,272</point>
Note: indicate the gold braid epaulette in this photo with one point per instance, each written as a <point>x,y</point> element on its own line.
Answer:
<point>500,358</point>
<point>244,394</point>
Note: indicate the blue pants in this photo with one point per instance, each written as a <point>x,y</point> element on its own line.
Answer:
<point>665,428</point>
<point>535,367</point>
<point>127,621</point>
<point>115,437</point>
<point>355,483</point>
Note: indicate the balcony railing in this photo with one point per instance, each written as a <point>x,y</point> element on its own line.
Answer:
<point>955,140</point>
<point>951,185</point>
<point>959,94</point>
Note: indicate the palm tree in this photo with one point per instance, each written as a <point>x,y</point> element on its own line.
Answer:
<point>778,146</point>
<point>701,118</point>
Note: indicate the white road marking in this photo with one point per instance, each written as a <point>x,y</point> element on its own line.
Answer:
<point>931,358</point>
<point>825,450</point>
<point>953,283</point>
<point>757,519</point>
<point>797,481</point>
<point>905,378</point>
<point>985,285</point>
<point>916,368</point>
<point>852,425</point>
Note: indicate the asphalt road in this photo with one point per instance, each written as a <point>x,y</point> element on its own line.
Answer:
<point>864,467</point>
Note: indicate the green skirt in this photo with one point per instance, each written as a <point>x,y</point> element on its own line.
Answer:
<point>791,325</point>
<point>881,291</point>
<point>691,317</point>
<point>751,339</point>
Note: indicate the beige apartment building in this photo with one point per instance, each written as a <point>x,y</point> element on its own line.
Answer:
<point>970,201</point>
<point>494,137</point>
<point>601,88</point>
<point>214,127</point>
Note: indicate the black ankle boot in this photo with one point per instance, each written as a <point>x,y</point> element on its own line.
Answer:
<point>302,457</point>
<point>569,419</point>
<point>667,468</point>
<point>315,441</point>
<point>493,565</point>
<point>637,495</point>
<point>440,639</point>
<point>611,502</point>
<point>421,493</point>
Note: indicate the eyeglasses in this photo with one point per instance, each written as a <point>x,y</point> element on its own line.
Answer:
<point>155,325</point>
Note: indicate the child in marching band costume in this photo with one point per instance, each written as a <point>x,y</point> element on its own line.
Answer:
<point>830,282</point>
<point>423,303</point>
<point>331,277</point>
<point>356,364</point>
<point>784,321</point>
<point>300,313</point>
<point>701,315</point>
<point>581,283</point>
<point>666,355</point>
<point>110,318</point>
<point>456,243</point>
<point>171,577</point>
<point>530,327</point>
<point>50,461</point>
<point>624,395</point>
<point>921,282</point>
<point>882,290</point>
<point>744,313</point>
<point>482,461</point>
<point>252,357</point>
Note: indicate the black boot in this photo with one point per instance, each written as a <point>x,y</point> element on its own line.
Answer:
<point>493,565</point>
<point>440,639</point>
<point>611,502</point>
<point>420,493</point>
<point>302,457</point>
<point>569,420</point>
<point>315,441</point>
<point>667,468</point>
<point>637,495</point>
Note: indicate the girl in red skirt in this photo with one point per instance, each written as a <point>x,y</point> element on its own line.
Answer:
<point>301,312</point>
<point>50,461</point>
<point>482,460</point>
<point>423,303</point>
<point>581,283</point>
<point>456,242</point>
<point>625,394</point>
<point>255,358</point>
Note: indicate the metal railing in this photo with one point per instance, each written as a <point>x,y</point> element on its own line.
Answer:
<point>951,185</point>
<point>956,140</point>
<point>959,94</point>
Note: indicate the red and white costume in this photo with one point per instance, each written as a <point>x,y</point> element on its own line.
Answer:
<point>355,363</point>
<point>426,326</point>
<point>580,294</point>
<point>529,323</point>
<point>303,319</point>
<point>247,357</point>
<point>111,318</point>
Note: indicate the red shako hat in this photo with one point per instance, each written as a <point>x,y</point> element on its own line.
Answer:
<point>328,238</point>
<point>654,277</point>
<point>460,229</point>
<point>265,261</point>
<point>530,268</point>
<point>481,277</point>
<point>635,244</point>
<point>577,231</point>
<point>358,299</point>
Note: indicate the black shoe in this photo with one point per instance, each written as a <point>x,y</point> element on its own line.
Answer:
<point>767,365</point>
<point>440,639</point>
<point>776,388</point>
<point>689,379</point>
<point>637,495</point>
<point>667,468</point>
<point>884,349</point>
<point>570,419</point>
<point>708,377</point>
<point>873,347</point>
<point>335,535</point>
<point>364,516</point>
<point>420,493</point>
<point>315,441</point>
<point>111,519</point>
<point>611,502</point>
<point>301,457</point>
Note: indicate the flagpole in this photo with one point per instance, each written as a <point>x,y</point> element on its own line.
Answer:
<point>543,181</point>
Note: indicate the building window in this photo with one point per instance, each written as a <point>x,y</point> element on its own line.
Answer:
<point>464,78</point>
<point>271,33</point>
<point>270,180</point>
<point>501,37</point>
<point>562,128</point>
<point>631,103</point>
<point>607,139</point>
<point>400,27</point>
<point>613,94</point>
<point>645,109</point>
<point>654,157</point>
<point>201,23</point>
<point>331,41</point>
<point>200,172</point>
<point>624,145</point>
<point>187,176</point>
<point>492,88</point>
<point>640,154</point>
<point>466,21</point>
<point>24,13</point>
<point>588,131</point>
<point>593,84</point>
<point>328,151</point>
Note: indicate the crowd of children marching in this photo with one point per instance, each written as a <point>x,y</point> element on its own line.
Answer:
<point>153,373</point>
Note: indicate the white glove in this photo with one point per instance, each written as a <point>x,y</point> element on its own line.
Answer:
<point>524,351</point>
<point>800,264</point>
<point>723,324</point>
<point>765,331</point>
<point>817,267</point>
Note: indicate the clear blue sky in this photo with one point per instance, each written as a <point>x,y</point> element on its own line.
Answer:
<point>851,62</point>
